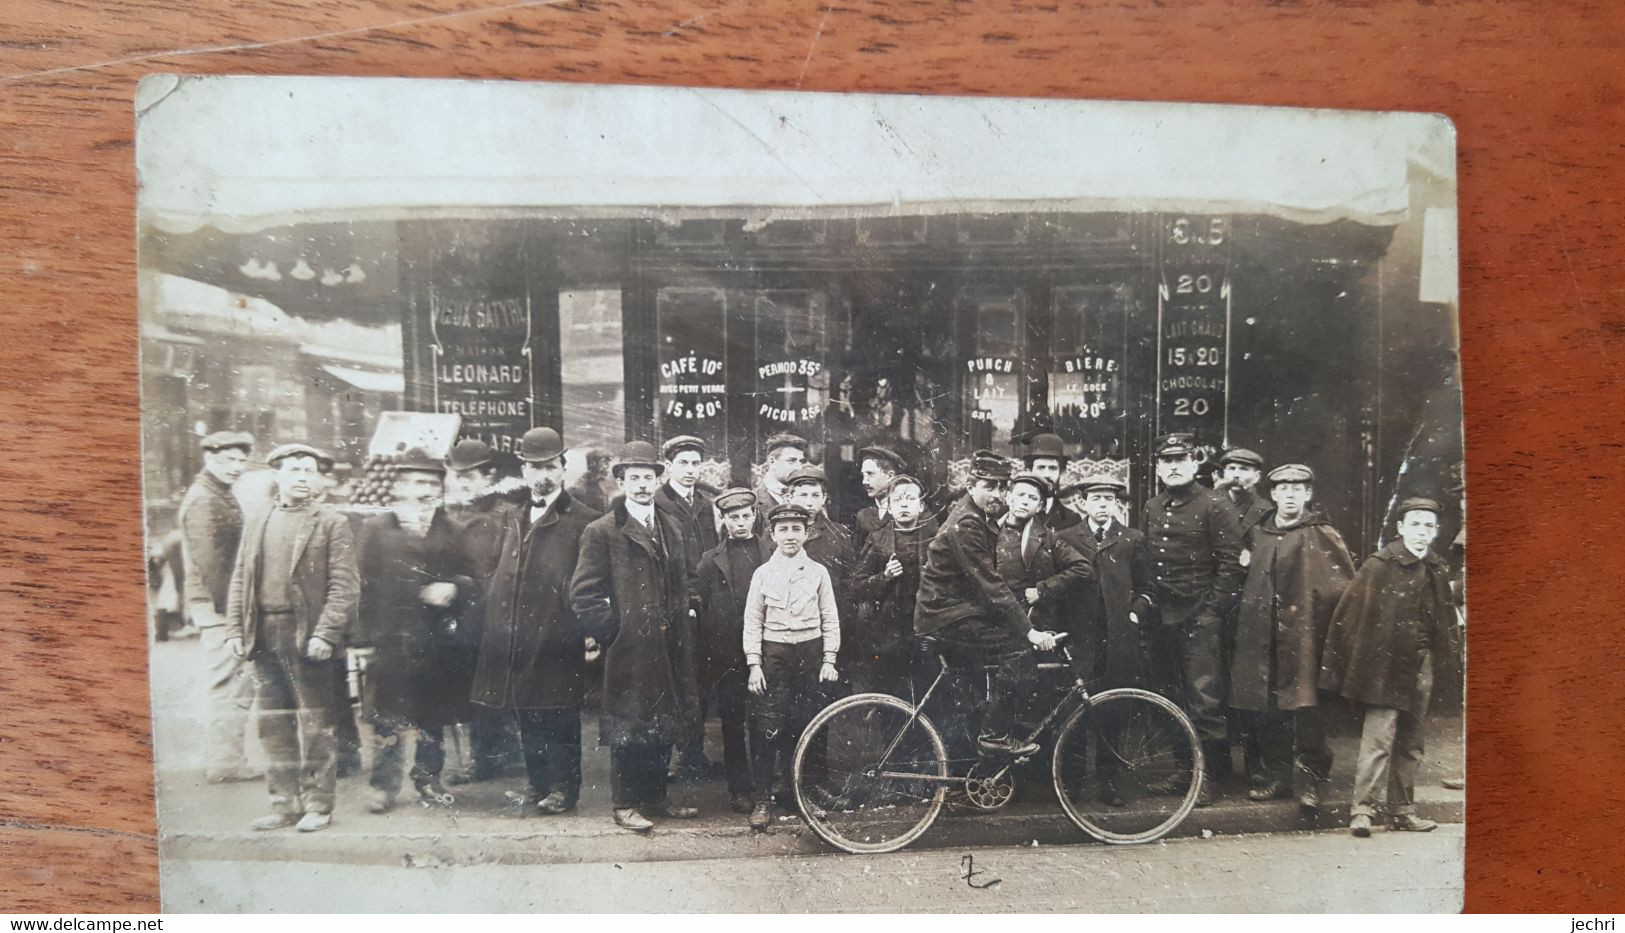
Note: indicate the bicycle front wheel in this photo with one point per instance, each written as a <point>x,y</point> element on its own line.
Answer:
<point>863,774</point>
<point>1128,766</point>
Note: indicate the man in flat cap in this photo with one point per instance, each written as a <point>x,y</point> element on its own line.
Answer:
<point>682,497</point>
<point>1239,471</point>
<point>786,453</point>
<point>416,583</point>
<point>724,582</point>
<point>1299,569</point>
<point>877,467</point>
<point>533,648</point>
<point>293,590</point>
<point>1195,545</point>
<point>211,524</point>
<point>967,607</point>
<point>631,591</point>
<point>1394,623</point>
<point>1108,643</point>
<point>1046,458</point>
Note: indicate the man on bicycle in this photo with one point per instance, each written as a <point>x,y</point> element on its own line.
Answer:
<point>969,609</point>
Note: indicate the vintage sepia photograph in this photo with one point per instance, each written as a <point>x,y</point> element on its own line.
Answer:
<point>575,498</point>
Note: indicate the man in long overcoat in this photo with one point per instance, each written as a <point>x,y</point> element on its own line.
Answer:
<point>686,499</point>
<point>631,592</point>
<point>533,648</point>
<point>1393,624</point>
<point>1299,569</point>
<point>211,523</point>
<point>1106,623</point>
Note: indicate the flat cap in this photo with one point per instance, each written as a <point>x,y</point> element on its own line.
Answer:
<point>985,464</point>
<point>284,451</point>
<point>780,441</point>
<point>1033,480</point>
<point>469,454</point>
<point>636,454</point>
<point>1100,482</point>
<point>886,458</point>
<point>1418,504</point>
<point>788,512</point>
<point>1291,473</point>
<point>540,445</point>
<point>680,443</point>
<point>807,474</point>
<point>1045,445</point>
<point>220,440</point>
<point>1175,445</point>
<point>1242,456</point>
<point>733,499</point>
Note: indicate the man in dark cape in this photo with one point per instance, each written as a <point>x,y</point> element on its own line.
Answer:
<point>1298,570</point>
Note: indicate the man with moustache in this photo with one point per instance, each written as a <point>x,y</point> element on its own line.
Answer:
<point>631,592</point>
<point>786,453</point>
<point>1299,569</point>
<point>211,523</point>
<point>1195,546</point>
<point>877,467</point>
<point>967,608</point>
<point>1237,479</point>
<point>533,648</point>
<point>293,590</point>
<point>1046,458</point>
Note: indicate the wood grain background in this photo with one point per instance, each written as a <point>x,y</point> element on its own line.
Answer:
<point>1536,90</point>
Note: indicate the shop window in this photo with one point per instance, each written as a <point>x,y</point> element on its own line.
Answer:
<point>691,381</point>
<point>994,371</point>
<point>592,373</point>
<point>792,350</point>
<point>1086,369</point>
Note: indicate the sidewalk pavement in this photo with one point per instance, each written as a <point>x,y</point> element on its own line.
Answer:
<point>204,821</point>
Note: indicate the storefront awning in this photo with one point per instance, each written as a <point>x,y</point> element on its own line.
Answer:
<point>245,153</point>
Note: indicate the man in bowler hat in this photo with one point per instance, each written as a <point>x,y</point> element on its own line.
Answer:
<point>1046,458</point>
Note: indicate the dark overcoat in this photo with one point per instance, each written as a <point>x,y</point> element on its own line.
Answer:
<point>1107,644</point>
<point>1250,509</point>
<point>416,669</point>
<point>324,584</point>
<point>631,594</point>
<point>865,523</point>
<point>1294,581</point>
<point>211,524</point>
<point>885,619</point>
<point>699,521</point>
<point>532,646</point>
<point>960,579</point>
<point>719,636</point>
<point>1397,605</point>
<point>1055,568</point>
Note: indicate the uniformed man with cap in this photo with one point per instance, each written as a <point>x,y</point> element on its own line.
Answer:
<point>1195,546</point>
<point>533,648</point>
<point>1394,623</point>
<point>211,524</point>
<point>969,609</point>
<point>786,453</point>
<point>631,591</point>
<point>686,499</point>
<point>1299,569</point>
<point>1046,457</point>
<point>293,591</point>
<point>877,467</point>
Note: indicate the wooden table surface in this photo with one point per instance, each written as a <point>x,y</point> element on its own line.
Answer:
<point>1538,97</point>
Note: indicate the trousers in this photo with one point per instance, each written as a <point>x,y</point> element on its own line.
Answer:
<point>428,759</point>
<point>296,701</point>
<point>1293,746</point>
<point>1184,666</point>
<point>1391,747</point>
<point>551,740</point>
<point>637,773</point>
<point>731,698</point>
<point>229,690</point>
<point>963,712</point>
<point>793,697</point>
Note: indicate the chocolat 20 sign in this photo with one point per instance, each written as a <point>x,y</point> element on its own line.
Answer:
<point>1193,326</point>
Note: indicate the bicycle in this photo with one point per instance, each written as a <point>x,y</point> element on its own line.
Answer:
<point>1127,767</point>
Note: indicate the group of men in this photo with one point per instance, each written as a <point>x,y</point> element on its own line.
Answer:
<point>681,599</point>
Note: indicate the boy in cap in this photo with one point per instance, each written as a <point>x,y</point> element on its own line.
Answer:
<point>877,467</point>
<point>826,542</point>
<point>211,524</point>
<point>792,634</point>
<point>1046,458</point>
<point>1393,623</point>
<point>887,582</point>
<point>1299,570</point>
<point>1044,572</point>
<point>725,574</point>
<point>293,591</point>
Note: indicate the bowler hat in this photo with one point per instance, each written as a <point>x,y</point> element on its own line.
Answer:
<point>807,474</point>
<point>220,440</point>
<point>1176,445</point>
<point>678,444</point>
<point>1419,504</point>
<point>985,464</point>
<point>540,445</point>
<point>636,454</point>
<point>1045,445</point>
<point>284,451</point>
<point>733,499</point>
<point>886,458</point>
<point>469,454</point>
<point>788,512</point>
<point>1033,480</point>
<point>1242,456</point>
<point>417,459</point>
<point>1100,482</point>
<point>779,441</point>
<point>1291,473</point>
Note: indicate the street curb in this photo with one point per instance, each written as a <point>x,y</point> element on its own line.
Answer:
<point>734,840</point>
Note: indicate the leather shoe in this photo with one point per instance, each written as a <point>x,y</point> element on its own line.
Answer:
<point>434,794</point>
<point>1360,826</point>
<point>1205,795</point>
<point>314,822</point>
<point>554,804</point>
<point>673,811</point>
<point>1410,823</point>
<point>1004,745</point>
<point>633,820</point>
<point>742,803</point>
<point>380,802</point>
<point>274,821</point>
<point>761,817</point>
<point>1309,799</point>
<point>1274,790</point>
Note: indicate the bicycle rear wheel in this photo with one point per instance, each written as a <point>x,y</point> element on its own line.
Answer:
<point>1127,766</point>
<point>842,791</point>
